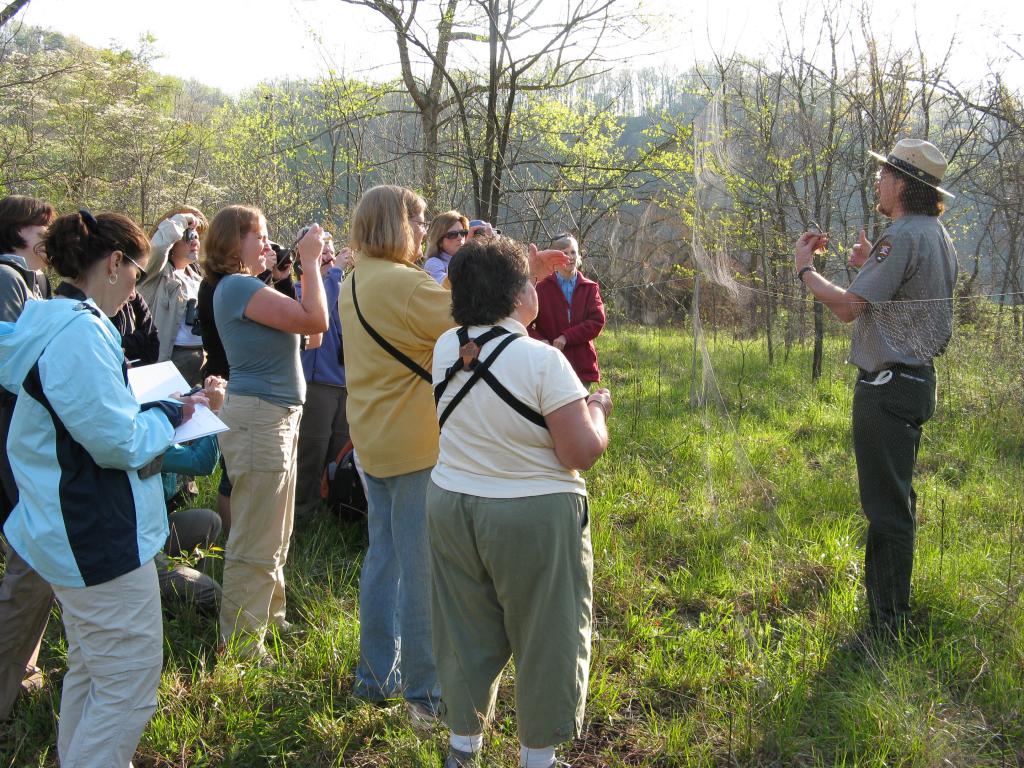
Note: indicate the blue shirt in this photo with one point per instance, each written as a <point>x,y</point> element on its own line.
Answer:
<point>568,286</point>
<point>323,365</point>
<point>437,266</point>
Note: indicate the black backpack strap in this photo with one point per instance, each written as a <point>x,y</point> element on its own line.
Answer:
<point>469,355</point>
<point>481,371</point>
<point>512,402</point>
<point>384,343</point>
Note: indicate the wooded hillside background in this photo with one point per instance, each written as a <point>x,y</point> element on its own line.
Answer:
<point>548,135</point>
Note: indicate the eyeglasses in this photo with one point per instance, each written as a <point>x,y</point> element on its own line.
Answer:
<point>419,223</point>
<point>455,234</point>
<point>142,272</point>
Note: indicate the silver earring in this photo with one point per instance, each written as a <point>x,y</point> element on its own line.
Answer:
<point>112,279</point>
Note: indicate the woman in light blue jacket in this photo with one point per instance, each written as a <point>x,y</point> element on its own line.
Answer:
<point>90,515</point>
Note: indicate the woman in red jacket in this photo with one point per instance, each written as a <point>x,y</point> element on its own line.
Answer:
<point>571,313</point>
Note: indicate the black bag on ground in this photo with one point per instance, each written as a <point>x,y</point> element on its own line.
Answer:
<point>341,488</point>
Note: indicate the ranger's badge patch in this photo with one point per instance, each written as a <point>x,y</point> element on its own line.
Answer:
<point>882,251</point>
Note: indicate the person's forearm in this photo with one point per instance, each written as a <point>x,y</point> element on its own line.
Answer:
<point>314,298</point>
<point>843,304</point>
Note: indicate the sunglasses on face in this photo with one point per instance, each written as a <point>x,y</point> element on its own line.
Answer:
<point>142,272</point>
<point>455,234</point>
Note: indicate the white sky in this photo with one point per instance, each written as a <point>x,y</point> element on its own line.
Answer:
<point>234,44</point>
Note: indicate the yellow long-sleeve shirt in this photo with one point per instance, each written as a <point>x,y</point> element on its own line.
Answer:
<point>391,412</point>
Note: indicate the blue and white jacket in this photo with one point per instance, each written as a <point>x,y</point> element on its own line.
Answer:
<point>77,441</point>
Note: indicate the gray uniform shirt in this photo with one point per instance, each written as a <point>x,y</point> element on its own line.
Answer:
<point>908,282</point>
<point>264,361</point>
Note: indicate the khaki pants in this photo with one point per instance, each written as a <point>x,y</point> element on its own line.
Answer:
<point>115,652</point>
<point>512,577</point>
<point>259,451</point>
<point>25,599</point>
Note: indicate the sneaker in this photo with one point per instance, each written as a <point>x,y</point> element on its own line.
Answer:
<point>459,759</point>
<point>422,718</point>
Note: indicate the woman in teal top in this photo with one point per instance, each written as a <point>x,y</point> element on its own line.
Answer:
<point>260,329</point>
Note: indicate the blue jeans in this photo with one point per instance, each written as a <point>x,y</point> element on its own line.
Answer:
<point>395,653</point>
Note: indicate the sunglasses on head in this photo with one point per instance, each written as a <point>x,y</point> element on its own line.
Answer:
<point>455,234</point>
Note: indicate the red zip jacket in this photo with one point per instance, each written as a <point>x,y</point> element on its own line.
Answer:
<point>580,326</point>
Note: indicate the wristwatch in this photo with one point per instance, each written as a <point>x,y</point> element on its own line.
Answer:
<point>808,268</point>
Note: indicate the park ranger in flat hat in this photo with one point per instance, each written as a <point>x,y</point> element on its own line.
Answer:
<point>902,309</point>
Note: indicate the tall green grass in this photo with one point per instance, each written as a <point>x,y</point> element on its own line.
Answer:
<point>728,550</point>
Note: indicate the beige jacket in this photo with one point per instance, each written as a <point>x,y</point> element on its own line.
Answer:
<point>391,410</point>
<point>162,290</point>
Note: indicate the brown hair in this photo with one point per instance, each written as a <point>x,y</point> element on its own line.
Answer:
<point>918,197</point>
<point>78,240</point>
<point>380,225</point>
<point>487,277</point>
<point>17,212</point>
<point>201,223</point>
<point>439,226</point>
<point>222,246</point>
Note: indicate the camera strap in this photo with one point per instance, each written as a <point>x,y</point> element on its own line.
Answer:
<point>384,343</point>
<point>469,352</point>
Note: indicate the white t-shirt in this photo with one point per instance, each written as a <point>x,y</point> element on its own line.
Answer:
<point>190,284</point>
<point>487,448</point>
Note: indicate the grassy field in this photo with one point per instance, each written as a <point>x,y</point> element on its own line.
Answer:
<point>728,554</point>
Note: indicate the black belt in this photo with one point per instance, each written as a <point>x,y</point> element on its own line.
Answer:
<point>897,368</point>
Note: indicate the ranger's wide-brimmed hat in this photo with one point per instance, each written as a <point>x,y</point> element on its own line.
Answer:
<point>918,159</point>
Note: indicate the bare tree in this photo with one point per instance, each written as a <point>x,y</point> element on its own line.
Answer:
<point>528,48</point>
<point>428,94</point>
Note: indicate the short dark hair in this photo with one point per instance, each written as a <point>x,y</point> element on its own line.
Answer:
<point>78,240</point>
<point>917,197</point>
<point>17,212</point>
<point>486,277</point>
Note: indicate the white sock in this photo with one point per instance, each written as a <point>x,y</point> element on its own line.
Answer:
<point>531,757</point>
<point>471,744</point>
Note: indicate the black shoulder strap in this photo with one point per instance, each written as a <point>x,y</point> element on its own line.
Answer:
<point>510,400</point>
<point>384,343</point>
<point>469,353</point>
<point>481,371</point>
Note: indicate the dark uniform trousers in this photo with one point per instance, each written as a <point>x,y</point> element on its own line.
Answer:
<point>887,421</point>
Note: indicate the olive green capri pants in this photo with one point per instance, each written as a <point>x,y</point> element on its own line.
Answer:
<point>512,577</point>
